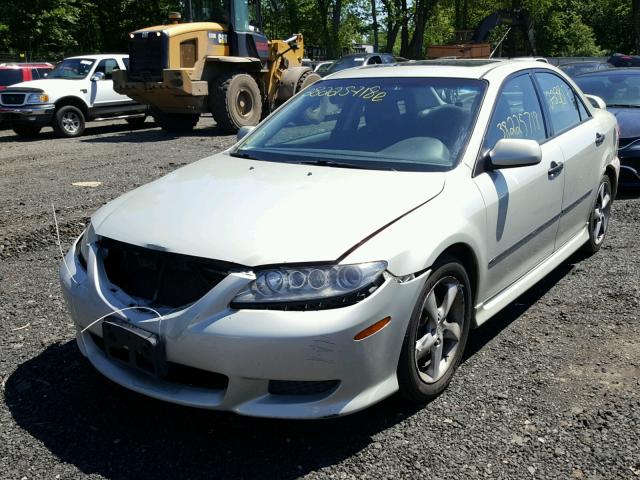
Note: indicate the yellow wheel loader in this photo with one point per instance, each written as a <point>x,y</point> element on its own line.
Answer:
<point>217,61</point>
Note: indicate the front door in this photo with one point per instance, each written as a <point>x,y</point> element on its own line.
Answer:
<point>102,92</point>
<point>523,204</point>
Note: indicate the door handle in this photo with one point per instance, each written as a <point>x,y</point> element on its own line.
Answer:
<point>600,138</point>
<point>555,169</point>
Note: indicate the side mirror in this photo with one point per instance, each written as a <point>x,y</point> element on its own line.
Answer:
<point>243,132</point>
<point>515,152</point>
<point>97,77</point>
<point>596,102</point>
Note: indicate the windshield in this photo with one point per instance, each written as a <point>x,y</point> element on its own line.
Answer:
<point>615,89</point>
<point>344,63</point>
<point>418,124</point>
<point>210,11</point>
<point>10,76</point>
<point>72,69</point>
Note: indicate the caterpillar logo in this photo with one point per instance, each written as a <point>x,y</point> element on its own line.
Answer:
<point>218,38</point>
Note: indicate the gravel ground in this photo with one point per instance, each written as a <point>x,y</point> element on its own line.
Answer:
<point>548,389</point>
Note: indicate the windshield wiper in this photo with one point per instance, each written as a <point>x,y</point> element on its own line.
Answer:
<point>331,163</point>
<point>243,155</point>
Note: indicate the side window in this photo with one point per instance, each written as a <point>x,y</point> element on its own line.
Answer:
<point>35,75</point>
<point>517,113</point>
<point>374,60</point>
<point>388,59</point>
<point>560,101</point>
<point>107,67</point>
<point>125,60</point>
<point>584,115</point>
<point>43,72</point>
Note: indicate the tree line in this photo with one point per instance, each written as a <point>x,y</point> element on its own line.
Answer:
<point>50,29</point>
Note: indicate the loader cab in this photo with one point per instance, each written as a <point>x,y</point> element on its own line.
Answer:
<point>243,19</point>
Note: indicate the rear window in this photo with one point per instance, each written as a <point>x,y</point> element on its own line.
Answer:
<point>419,124</point>
<point>616,89</point>
<point>10,76</point>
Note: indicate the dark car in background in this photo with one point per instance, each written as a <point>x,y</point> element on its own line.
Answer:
<point>620,89</point>
<point>11,73</point>
<point>359,59</point>
<point>574,69</point>
<point>622,60</point>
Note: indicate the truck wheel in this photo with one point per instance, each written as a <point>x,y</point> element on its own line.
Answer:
<point>236,101</point>
<point>26,131</point>
<point>306,79</point>
<point>136,122</point>
<point>69,121</point>
<point>176,122</point>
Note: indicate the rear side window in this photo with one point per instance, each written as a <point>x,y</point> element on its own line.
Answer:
<point>10,76</point>
<point>41,72</point>
<point>126,63</point>
<point>517,113</point>
<point>560,101</point>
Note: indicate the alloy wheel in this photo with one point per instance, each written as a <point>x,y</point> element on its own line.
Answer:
<point>601,213</point>
<point>440,329</point>
<point>71,122</point>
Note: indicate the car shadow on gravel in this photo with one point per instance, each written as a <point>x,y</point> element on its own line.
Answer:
<point>100,427</point>
<point>92,129</point>
<point>155,134</point>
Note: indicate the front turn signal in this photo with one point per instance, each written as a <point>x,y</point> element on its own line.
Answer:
<point>370,330</point>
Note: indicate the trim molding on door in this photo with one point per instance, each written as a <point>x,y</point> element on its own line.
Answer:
<point>527,238</point>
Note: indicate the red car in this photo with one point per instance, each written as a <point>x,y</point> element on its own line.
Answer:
<point>11,73</point>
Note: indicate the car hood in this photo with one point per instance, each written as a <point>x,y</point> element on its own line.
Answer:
<point>628,120</point>
<point>258,213</point>
<point>43,85</point>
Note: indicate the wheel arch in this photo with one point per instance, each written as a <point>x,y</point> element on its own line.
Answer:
<point>466,255</point>
<point>610,172</point>
<point>74,101</point>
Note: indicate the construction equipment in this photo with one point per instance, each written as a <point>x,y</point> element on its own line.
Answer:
<point>474,43</point>
<point>218,61</point>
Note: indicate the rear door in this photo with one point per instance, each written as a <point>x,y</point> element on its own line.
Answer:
<point>523,204</point>
<point>582,147</point>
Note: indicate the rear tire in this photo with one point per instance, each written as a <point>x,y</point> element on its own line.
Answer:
<point>437,333</point>
<point>136,122</point>
<point>69,121</point>
<point>235,101</point>
<point>26,131</point>
<point>176,122</point>
<point>599,217</point>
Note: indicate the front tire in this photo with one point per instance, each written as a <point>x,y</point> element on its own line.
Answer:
<point>599,217</point>
<point>235,101</point>
<point>69,122</point>
<point>26,131</point>
<point>437,333</point>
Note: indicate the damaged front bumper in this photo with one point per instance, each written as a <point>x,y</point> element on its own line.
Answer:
<point>269,363</point>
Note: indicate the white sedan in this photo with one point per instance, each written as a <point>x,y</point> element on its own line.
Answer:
<point>345,249</point>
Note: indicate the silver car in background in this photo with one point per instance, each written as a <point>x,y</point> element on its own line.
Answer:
<point>345,249</point>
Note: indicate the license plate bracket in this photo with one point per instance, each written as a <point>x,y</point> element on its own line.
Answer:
<point>135,347</point>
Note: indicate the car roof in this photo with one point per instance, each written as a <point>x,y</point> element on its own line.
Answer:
<point>463,68</point>
<point>25,65</point>
<point>101,56</point>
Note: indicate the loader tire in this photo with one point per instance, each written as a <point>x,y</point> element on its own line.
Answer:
<point>235,101</point>
<point>306,79</point>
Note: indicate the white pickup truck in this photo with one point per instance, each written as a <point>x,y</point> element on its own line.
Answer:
<point>79,89</point>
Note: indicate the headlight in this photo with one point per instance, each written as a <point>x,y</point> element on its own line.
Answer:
<point>37,98</point>
<point>87,237</point>
<point>311,287</point>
